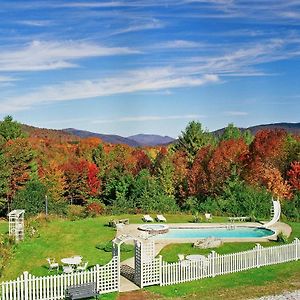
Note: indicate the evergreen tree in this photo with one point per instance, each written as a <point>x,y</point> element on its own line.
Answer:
<point>10,129</point>
<point>193,138</point>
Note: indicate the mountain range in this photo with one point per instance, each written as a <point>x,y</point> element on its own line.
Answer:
<point>72,134</point>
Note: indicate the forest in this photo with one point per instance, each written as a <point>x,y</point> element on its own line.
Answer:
<point>233,174</point>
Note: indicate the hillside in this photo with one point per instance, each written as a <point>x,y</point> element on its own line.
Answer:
<point>293,128</point>
<point>72,134</point>
<point>151,139</point>
<point>108,138</point>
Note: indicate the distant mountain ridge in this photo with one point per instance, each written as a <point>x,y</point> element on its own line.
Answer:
<point>293,128</point>
<point>108,138</point>
<point>139,140</point>
<point>151,139</point>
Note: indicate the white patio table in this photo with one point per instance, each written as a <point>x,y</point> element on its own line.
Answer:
<point>71,261</point>
<point>196,257</point>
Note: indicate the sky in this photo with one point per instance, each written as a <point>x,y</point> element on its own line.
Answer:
<point>148,66</point>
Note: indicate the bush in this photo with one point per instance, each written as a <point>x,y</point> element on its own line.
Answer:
<point>76,212</point>
<point>281,238</point>
<point>94,209</point>
<point>107,247</point>
<point>291,208</point>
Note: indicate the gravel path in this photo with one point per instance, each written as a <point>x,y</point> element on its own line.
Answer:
<point>285,296</point>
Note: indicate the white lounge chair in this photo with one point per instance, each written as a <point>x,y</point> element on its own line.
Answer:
<point>208,217</point>
<point>52,265</point>
<point>161,218</point>
<point>82,267</point>
<point>147,218</point>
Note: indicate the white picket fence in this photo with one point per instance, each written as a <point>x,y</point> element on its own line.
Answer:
<point>107,278</point>
<point>29,287</point>
<point>215,264</point>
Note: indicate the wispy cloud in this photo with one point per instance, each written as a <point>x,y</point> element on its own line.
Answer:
<point>149,118</point>
<point>50,55</point>
<point>151,79</point>
<point>140,25</point>
<point>35,23</point>
<point>177,44</point>
<point>236,113</point>
<point>7,79</point>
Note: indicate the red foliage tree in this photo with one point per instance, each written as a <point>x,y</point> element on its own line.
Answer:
<point>294,175</point>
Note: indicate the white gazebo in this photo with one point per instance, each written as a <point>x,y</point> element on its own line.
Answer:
<point>16,224</point>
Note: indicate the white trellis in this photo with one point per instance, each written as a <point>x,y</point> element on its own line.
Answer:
<point>16,224</point>
<point>146,266</point>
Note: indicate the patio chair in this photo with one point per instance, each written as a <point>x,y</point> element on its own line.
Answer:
<point>52,265</point>
<point>82,267</point>
<point>180,257</point>
<point>161,218</point>
<point>208,217</point>
<point>147,218</point>
<point>68,269</point>
<point>120,226</point>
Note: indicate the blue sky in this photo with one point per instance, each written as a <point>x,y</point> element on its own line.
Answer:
<point>147,66</point>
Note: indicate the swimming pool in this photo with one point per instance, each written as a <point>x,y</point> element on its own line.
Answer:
<point>238,232</point>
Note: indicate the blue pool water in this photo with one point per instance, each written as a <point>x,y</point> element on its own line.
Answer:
<point>218,232</point>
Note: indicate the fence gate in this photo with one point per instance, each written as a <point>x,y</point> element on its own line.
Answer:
<point>146,266</point>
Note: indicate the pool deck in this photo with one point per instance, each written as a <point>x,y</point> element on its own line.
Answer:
<point>133,230</point>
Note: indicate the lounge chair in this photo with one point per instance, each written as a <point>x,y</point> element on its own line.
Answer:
<point>147,218</point>
<point>52,264</point>
<point>208,217</point>
<point>161,218</point>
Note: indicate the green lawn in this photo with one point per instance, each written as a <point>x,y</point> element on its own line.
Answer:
<point>252,283</point>
<point>3,227</point>
<point>62,238</point>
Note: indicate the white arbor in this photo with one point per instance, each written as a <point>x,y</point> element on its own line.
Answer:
<point>16,224</point>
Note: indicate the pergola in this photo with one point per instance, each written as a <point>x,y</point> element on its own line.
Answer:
<point>16,224</point>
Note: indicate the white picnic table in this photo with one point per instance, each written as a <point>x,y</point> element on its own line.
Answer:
<point>71,261</point>
<point>196,257</point>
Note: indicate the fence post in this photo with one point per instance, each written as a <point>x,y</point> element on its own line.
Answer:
<point>297,244</point>
<point>160,270</point>
<point>212,259</point>
<point>258,252</point>
<point>97,278</point>
<point>25,274</point>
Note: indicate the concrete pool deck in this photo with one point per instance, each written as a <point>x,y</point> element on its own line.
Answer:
<point>133,230</point>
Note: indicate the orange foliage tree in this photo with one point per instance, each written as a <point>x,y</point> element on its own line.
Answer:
<point>294,175</point>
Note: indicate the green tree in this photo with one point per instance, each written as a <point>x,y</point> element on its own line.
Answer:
<point>193,138</point>
<point>233,132</point>
<point>4,175</point>
<point>10,129</point>
<point>31,198</point>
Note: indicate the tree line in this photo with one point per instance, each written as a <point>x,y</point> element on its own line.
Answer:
<point>233,174</point>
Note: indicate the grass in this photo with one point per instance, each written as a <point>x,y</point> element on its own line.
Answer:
<point>242,285</point>
<point>62,238</point>
<point>3,226</point>
<point>249,284</point>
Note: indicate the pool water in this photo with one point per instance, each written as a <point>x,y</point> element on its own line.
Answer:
<point>218,232</point>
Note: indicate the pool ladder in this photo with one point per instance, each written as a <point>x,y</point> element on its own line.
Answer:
<point>230,227</point>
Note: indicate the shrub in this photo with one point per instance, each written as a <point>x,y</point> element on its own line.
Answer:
<point>94,209</point>
<point>107,247</point>
<point>281,238</point>
<point>76,212</point>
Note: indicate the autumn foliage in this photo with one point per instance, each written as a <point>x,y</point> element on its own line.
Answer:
<point>91,173</point>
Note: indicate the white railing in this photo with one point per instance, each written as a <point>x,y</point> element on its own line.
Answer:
<point>53,287</point>
<point>215,264</point>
